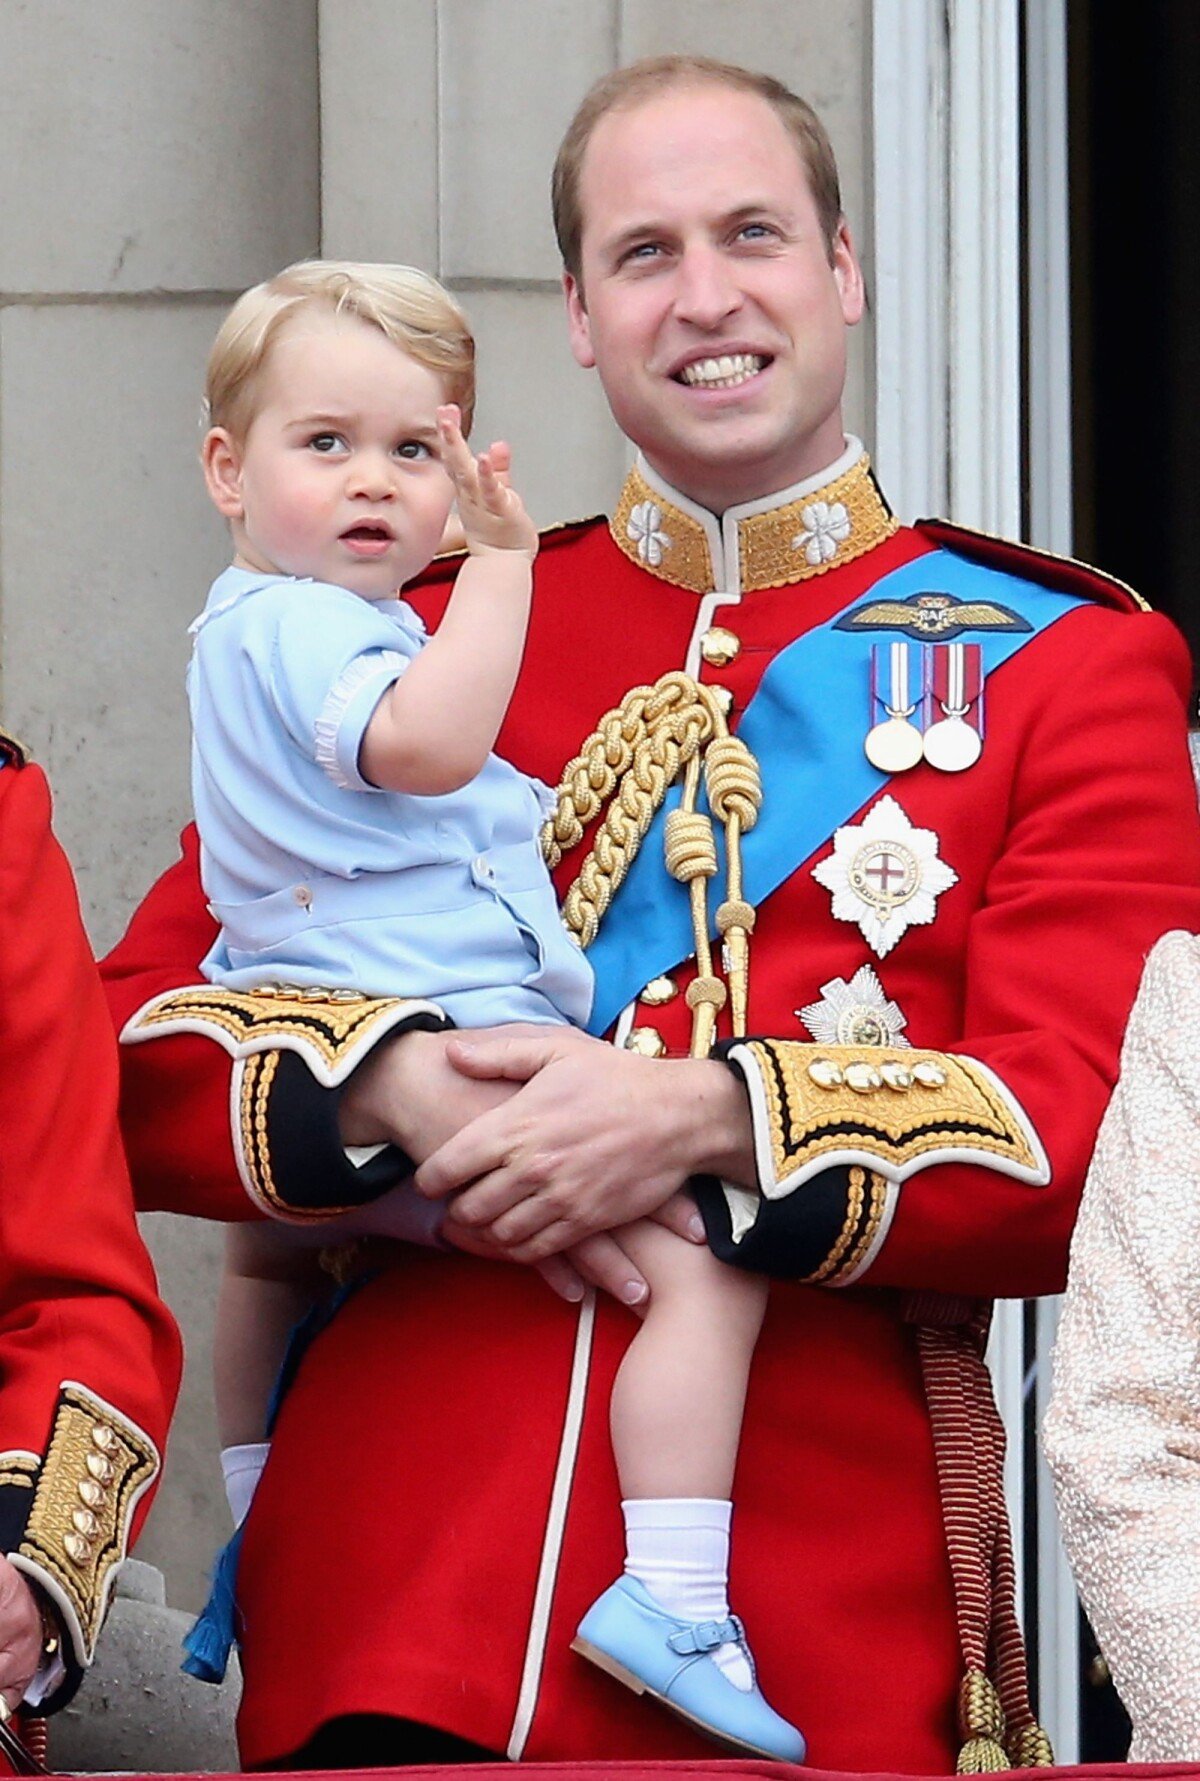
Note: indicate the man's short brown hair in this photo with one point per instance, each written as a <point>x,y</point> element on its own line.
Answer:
<point>625,88</point>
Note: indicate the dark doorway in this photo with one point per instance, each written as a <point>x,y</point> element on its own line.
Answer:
<point>1135,251</point>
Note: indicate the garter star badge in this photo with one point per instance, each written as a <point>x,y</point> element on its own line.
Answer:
<point>885,875</point>
<point>854,1013</point>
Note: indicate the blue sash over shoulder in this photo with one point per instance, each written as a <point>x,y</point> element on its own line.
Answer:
<point>805,725</point>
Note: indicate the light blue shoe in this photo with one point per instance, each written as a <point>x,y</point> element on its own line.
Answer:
<point>628,1635</point>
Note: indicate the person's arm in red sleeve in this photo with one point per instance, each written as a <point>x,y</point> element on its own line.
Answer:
<point>89,1356</point>
<point>1102,857</point>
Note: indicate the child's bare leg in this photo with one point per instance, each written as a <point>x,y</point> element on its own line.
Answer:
<point>677,1402</point>
<point>267,1285</point>
<point>676,1416</point>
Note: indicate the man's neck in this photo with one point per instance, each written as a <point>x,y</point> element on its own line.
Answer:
<point>719,503</point>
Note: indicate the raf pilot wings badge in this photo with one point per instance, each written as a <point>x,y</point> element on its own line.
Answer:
<point>932,616</point>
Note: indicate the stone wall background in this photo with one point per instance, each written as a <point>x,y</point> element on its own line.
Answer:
<point>156,157</point>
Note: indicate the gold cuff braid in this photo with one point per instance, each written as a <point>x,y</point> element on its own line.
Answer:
<point>331,1029</point>
<point>895,1110</point>
<point>96,1467</point>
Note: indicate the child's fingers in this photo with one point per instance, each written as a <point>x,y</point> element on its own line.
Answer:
<point>456,454</point>
<point>494,491</point>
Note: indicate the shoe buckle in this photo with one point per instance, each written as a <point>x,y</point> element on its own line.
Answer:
<point>704,1635</point>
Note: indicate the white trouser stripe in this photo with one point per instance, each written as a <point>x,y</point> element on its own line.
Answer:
<point>560,1496</point>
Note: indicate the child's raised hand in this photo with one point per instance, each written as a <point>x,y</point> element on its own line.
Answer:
<point>492,513</point>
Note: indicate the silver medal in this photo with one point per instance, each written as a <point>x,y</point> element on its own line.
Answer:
<point>952,745</point>
<point>894,745</point>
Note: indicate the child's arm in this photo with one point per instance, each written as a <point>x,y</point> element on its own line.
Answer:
<point>433,730</point>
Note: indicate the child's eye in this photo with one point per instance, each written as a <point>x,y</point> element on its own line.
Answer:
<point>326,443</point>
<point>413,449</point>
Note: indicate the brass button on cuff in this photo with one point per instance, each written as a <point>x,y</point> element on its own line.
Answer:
<point>647,1042</point>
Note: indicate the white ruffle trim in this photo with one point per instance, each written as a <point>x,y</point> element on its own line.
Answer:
<point>384,665</point>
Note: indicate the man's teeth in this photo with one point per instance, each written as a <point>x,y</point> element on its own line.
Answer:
<point>723,373</point>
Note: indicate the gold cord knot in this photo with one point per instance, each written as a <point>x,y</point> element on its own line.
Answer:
<point>635,753</point>
<point>690,846</point>
<point>980,1714</point>
<point>735,915</point>
<point>1030,1748</point>
<point>732,781</point>
<point>705,990</point>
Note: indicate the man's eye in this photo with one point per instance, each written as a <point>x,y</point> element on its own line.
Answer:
<point>643,251</point>
<point>755,232</point>
<point>413,449</point>
<point>326,443</point>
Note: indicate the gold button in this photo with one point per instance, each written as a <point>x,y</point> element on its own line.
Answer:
<point>103,1437</point>
<point>90,1493</point>
<point>83,1521</point>
<point>100,1468</point>
<point>929,1074</point>
<point>647,1042</point>
<point>719,647</point>
<point>76,1549</point>
<point>825,1073</point>
<point>659,991</point>
<point>896,1077</point>
<point>724,698</point>
<point>864,1079</point>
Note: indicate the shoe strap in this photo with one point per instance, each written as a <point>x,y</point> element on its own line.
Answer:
<point>706,1635</point>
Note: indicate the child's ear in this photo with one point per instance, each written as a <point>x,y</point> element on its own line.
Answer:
<point>222,462</point>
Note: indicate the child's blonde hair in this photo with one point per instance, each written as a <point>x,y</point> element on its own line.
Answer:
<point>409,307</point>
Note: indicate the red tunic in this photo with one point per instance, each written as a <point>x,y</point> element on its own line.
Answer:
<point>89,1356</point>
<point>441,1503</point>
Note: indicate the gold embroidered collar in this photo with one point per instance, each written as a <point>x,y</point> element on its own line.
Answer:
<point>789,537</point>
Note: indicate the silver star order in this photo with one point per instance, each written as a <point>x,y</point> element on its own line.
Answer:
<point>885,875</point>
<point>854,1013</point>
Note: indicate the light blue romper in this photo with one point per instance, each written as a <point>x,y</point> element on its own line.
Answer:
<point>318,877</point>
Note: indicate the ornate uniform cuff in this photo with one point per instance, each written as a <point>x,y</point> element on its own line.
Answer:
<point>65,1518</point>
<point>837,1130</point>
<point>293,1051</point>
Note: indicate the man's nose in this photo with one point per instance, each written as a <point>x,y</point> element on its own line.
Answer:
<point>706,290</point>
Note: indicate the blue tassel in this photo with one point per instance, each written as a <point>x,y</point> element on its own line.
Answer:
<point>211,1638</point>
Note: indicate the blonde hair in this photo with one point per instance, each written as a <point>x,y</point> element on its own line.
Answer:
<point>409,307</point>
<point>627,87</point>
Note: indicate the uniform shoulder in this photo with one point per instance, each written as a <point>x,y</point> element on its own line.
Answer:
<point>551,539</point>
<point>1063,575</point>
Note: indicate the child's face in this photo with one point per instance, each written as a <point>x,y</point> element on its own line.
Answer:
<point>339,475</point>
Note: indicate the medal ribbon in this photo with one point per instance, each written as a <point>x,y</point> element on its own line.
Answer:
<point>815,775</point>
<point>956,681</point>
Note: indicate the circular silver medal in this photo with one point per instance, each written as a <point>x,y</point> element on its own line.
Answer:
<point>893,746</point>
<point>951,745</point>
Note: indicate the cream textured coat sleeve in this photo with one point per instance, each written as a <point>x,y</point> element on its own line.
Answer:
<point>1123,1429</point>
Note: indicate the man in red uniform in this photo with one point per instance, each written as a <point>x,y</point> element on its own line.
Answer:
<point>935,924</point>
<point>89,1356</point>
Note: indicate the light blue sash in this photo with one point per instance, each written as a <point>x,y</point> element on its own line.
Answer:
<point>805,725</point>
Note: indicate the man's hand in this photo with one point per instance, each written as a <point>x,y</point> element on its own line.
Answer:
<point>596,1138</point>
<point>20,1634</point>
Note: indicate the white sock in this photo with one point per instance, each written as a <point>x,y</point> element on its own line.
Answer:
<point>678,1549</point>
<point>242,1468</point>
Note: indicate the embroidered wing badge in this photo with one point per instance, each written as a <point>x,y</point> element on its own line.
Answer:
<point>939,617</point>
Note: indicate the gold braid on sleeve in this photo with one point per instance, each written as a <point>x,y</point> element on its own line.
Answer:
<point>636,752</point>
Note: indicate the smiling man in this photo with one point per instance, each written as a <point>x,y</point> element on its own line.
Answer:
<point>956,811</point>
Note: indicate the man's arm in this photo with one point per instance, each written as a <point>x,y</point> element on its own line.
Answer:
<point>89,1356</point>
